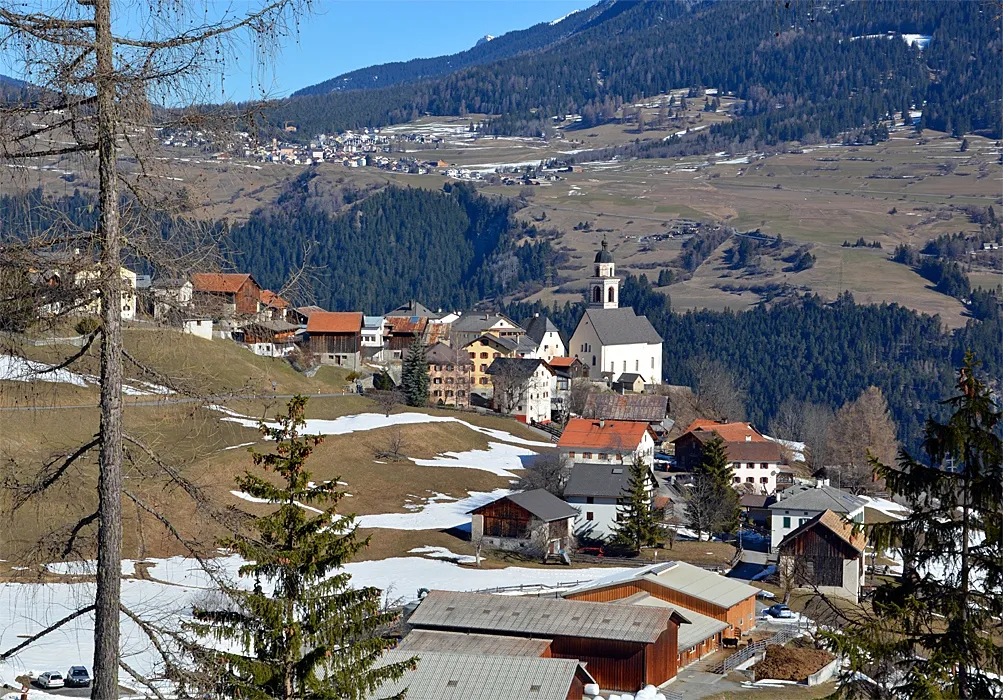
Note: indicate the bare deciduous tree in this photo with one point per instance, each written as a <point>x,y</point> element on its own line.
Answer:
<point>717,393</point>
<point>548,471</point>
<point>861,428</point>
<point>94,91</point>
<point>393,446</point>
<point>389,400</point>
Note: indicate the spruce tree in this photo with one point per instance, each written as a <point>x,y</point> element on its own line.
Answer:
<point>714,503</point>
<point>414,375</point>
<point>935,632</point>
<point>635,526</point>
<point>301,632</point>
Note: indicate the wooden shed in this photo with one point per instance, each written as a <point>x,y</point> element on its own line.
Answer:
<point>624,647</point>
<point>826,553</point>
<point>534,521</point>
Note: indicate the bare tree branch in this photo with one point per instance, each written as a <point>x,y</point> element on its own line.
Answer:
<point>51,628</point>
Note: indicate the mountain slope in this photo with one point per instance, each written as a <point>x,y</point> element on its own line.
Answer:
<point>789,66</point>
<point>497,48</point>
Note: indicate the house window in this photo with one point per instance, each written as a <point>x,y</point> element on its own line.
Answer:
<point>604,457</point>
<point>484,380</point>
<point>484,368</point>
<point>437,380</point>
<point>750,465</point>
<point>460,394</point>
<point>437,393</point>
<point>787,523</point>
<point>571,455</point>
<point>749,480</point>
<point>802,521</point>
<point>484,356</point>
<point>588,515</point>
<point>737,480</point>
<point>496,356</point>
<point>473,355</point>
<point>588,455</point>
<point>449,368</point>
<point>764,479</point>
<point>764,465</point>
<point>449,380</point>
<point>449,393</point>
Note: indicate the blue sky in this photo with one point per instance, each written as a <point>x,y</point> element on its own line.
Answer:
<point>343,35</point>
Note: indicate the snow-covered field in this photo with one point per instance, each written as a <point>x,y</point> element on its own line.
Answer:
<point>439,512</point>
<point>26,609</point>
<point>18,369</point>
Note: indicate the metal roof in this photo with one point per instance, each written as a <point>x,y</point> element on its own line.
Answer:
<point>821,497</point>
<point>700,627</point>
<point>541,617</point>
<point>421,641</point>
<point>684,578</point>
<point>620,326</point>
<point>444,676</point>
<point>648,408</point>
<point>539,502</point>
<point>609,480</point>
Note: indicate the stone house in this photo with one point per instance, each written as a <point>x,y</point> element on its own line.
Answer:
<point>449,373</point>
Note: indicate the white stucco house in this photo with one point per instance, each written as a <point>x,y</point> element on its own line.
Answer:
<point>522,388</point>
<point>612,340</point>
<point>616,442</point>
<point>799,504</point>
<point>595,490</point>
<point>546,336</point>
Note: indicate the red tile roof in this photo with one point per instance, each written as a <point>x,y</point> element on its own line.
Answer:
<point>219,282</point>
<point>562,361</point>
<point>729,432</point>
<point>603,435</point>
<point>270,298</point>
<point>334,322</point>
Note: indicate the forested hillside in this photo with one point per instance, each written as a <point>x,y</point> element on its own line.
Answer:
<point>810,350</point>
<point>450,249</point>
<point>788,66</point>
<point>500,47</point>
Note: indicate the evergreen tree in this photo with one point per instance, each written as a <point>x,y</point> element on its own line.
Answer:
<point>635,526</point>
<point>714,503</point>
<point>414,375</point>
<point>301,631</point>
<point>934,633</point>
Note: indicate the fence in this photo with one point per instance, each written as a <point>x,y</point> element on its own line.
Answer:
<point>534,587</point>
<point>746,653</point>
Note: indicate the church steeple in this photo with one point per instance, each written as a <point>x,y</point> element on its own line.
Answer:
<point>604,287</point>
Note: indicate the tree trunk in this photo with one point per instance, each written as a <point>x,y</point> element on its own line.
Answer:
<point>107,603</point>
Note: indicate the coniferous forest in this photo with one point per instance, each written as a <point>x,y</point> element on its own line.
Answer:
<point>747,48</point>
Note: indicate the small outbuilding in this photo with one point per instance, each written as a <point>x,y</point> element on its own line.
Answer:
<point>825,554</point>
<point>531,521</point>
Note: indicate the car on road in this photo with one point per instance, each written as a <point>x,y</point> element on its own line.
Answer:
<point>77,677</point>
<point>51,679</point>
<point>780,610</point>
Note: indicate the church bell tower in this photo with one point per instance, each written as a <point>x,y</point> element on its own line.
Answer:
<point>604,287</point>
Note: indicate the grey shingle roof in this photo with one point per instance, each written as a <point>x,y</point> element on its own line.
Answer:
<point>598,480</point>
<point>541,503</point>
<point>684,578</point>
<point>540,326</point>
<point>516,367</point>
<point>621,326</point>
<point>818,498</point>
<point>479,322</point>
<point>701,627</point>
<point>413,308</point>
<point>442,676</point>
<point>421,641</point>
<point>650,409</point>
<point>541,617</point>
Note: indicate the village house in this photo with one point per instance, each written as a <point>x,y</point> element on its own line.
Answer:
<point>88,279</point>
<point>336,337</point>
<point>402,331</point>
<point>535,522</point>
<point>611,340</point>
<point>226,295</point>
<point>825,554</point>
<point>274,307</point>
<point>597,490</point>
<point>374,337</point>
<point>522,388</point>
<point>411,308</point>
<point>547,338</point>
<point>717,607</point>
<point>628,382</point>
<point>797,505</point>
<point>449,373</point>
<point>754,460</point>
<point>269,338</point>
<point>171,299</point>
<point>484,350</point>
<point>624,647</point>
<point>607,442</point>
<point>648,408</point>
<point>472,325</point>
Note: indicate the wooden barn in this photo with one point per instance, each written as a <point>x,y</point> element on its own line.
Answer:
<point>336,337</point>
<point>826,553</point>
<point>624,647</point>
<point>527,521</point>
<point>688,589</point>
<point>226,294</point>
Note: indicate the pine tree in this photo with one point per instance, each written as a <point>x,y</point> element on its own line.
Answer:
<point>414,375</point>
<point>713,505</point>
<point>301,631</point>
<point>635,526</point>
<point>934,633</point>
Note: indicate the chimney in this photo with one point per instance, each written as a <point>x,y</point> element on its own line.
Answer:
<point>602,423</point>
<point>748,438</point>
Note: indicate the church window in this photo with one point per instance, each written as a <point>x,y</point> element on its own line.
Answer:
<point>593,360</point>
<point>637,365</point>
<point>596,294</point>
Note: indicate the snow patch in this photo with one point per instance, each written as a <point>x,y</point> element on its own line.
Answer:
<point>439,512</point>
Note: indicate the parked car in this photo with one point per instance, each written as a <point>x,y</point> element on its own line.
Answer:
<point>77,677</point>
<point>780,610</point>
<point>51,679</point>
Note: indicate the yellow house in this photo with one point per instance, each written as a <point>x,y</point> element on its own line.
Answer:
<point>484,350</point>
<point>86,278</point>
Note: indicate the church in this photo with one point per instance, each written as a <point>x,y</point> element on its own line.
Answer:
<point>610,340</point>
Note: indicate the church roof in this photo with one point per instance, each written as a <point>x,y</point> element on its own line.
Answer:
<point>621,326</point>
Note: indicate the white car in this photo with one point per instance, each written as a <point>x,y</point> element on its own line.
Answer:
<point>51,679</point>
